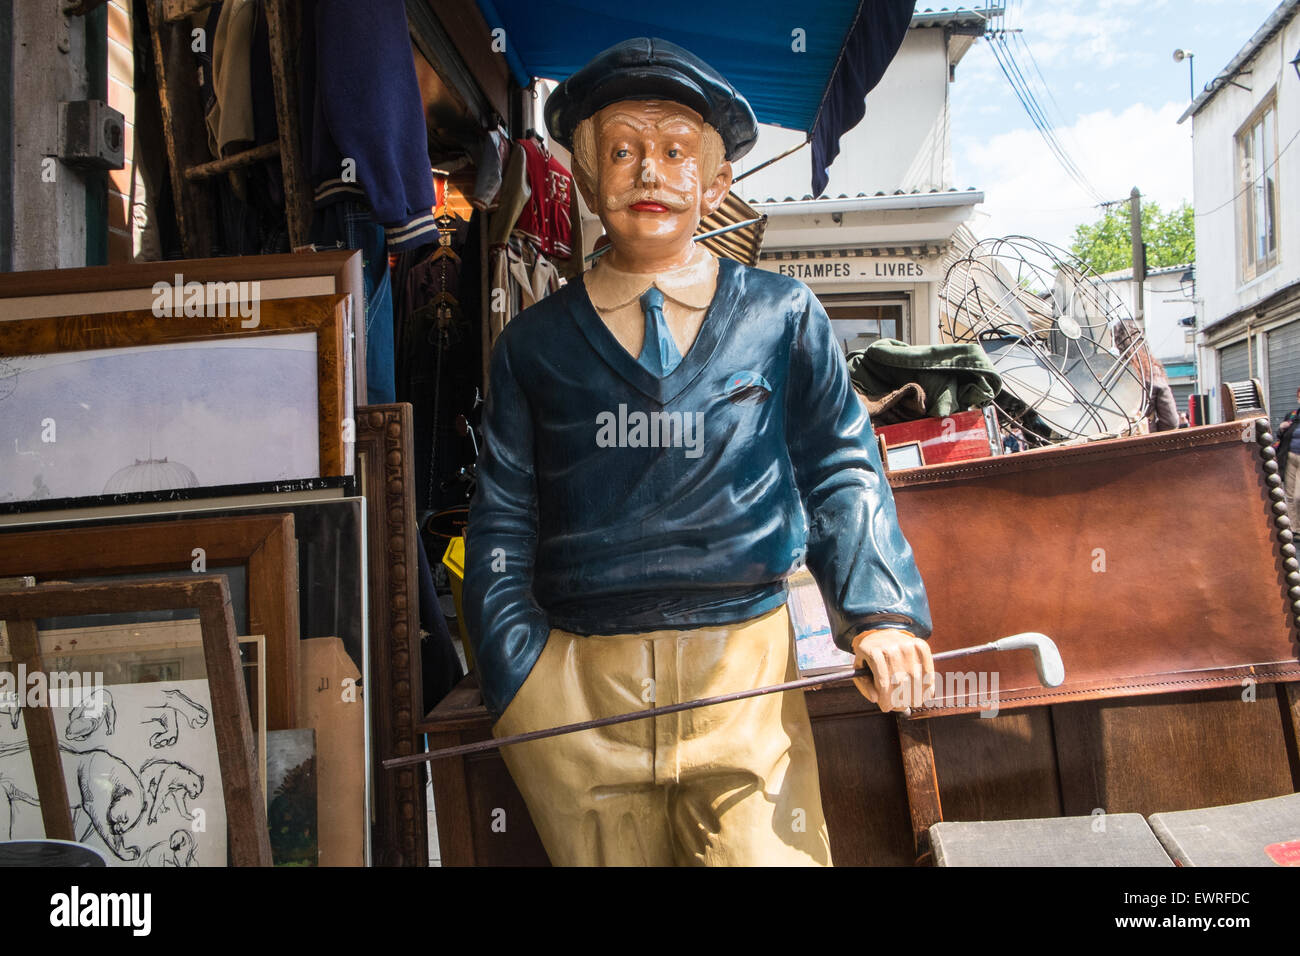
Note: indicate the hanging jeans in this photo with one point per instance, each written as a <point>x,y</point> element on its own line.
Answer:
<point>349,224</point>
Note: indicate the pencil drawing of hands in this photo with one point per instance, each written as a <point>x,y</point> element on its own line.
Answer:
<point>176,708</point>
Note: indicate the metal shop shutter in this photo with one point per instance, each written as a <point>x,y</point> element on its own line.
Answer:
<point>1283,369</point>
<point>1234,363</point>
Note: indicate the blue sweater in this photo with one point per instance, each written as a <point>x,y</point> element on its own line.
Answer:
<point>610,501</point>
<point>363,117</point>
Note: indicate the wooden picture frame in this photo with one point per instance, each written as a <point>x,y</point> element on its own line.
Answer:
<point>172,502</point>
<point>121,288</point>
<point>70,645</point>
<point>385,468</point>
<point>248,840</point>
<point>324,317</point>
<point>263,544</point>
<point>907,454</point>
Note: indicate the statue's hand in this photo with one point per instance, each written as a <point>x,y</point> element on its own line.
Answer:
<point>902,667</point>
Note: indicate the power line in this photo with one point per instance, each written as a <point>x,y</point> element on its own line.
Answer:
<point>1020,85</point>
<point>1009,65</point>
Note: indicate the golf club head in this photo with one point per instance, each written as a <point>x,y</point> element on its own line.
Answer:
<point>1047,659</point>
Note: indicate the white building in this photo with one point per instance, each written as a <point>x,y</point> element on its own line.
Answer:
<point>873,247</point>
<point>1246,183</point>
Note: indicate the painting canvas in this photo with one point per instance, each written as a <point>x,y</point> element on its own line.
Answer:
<point>152,747</point>
<point>176,415</point>
<point>291,784</point>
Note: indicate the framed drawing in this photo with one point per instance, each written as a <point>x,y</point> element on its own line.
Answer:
<point>258,551</point>
<point>122,288</point>
<point>150,750</point>
<point>137,401</point>
<point>385,471</point>
<point>152,652</point>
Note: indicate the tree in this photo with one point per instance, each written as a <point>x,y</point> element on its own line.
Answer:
<point>1107,246</point>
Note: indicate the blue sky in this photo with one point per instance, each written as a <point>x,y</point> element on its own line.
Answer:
<point>1115,95</point>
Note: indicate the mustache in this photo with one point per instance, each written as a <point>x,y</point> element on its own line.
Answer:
<point>674,200</point>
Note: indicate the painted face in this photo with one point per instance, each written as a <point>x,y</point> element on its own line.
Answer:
<point>649,188</point>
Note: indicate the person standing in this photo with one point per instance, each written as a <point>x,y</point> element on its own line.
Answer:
<point>1288,454</point>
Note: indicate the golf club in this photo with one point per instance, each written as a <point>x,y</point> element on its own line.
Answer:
<point>1047,662</point>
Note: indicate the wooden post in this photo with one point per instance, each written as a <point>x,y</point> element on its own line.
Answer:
<point>184,129</point>
<point>920,776</point>
<point>42,737</point>
<point>283,30</point>
<point>1139,258</point>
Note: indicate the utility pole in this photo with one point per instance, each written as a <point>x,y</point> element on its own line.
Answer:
<point>1139,258</point>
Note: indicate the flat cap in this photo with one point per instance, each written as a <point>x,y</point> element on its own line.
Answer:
<point>647,68</point>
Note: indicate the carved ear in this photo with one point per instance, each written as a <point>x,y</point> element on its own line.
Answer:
<point>586,189</point>
<point>716,191</point>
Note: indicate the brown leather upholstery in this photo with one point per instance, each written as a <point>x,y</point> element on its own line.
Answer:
<point>1153,562</point>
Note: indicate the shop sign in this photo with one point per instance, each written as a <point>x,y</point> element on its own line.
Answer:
<point>852,269</point>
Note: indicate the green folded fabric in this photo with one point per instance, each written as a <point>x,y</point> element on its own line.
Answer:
<point>955,376</point>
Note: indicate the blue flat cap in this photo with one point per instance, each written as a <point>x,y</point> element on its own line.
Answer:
<point>651,69</point>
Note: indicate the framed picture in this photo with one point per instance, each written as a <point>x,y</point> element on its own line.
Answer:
<point>257,552</point>
<point>386,473</point>
<point>122,288</point>
<point>147,757</point>
<point>293,812</point>
<point>148,503</point>
<point>154,652</point>
<point>125,402</point>
<point>905,455</point>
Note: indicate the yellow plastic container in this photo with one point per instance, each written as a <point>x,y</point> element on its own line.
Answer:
<point>454,561</point>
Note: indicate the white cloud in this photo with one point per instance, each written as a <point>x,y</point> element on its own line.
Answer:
<point>1057,34</point>
<point>1027,192</point>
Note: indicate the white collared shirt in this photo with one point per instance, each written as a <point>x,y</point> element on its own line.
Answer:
<point>687,290</point>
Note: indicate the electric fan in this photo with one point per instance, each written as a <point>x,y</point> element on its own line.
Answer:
<point>1074,364</point>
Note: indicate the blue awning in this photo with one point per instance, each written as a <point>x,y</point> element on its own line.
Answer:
<point>805,66</point>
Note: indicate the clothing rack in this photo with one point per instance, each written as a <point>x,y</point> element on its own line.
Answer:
<point>185,133</point>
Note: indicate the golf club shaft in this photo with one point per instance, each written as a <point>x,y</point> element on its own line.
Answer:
<point>804,683</point>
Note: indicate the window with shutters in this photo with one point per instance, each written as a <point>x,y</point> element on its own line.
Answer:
<point>1258,200</point>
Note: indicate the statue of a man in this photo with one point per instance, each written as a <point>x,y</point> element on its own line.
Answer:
<point>667,439</point>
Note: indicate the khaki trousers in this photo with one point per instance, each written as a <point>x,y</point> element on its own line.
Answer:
<point>731,784</point>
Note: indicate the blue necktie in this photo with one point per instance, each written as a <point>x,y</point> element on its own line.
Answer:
<point>659,354</point>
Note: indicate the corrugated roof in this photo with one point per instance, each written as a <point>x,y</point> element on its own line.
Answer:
<point>1278,19</point>
<point>876,195</point>
<point>956,17</point>
<point>742,244</point>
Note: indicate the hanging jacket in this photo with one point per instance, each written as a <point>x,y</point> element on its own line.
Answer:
<point>362,116</point>
<point>546,219</point>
